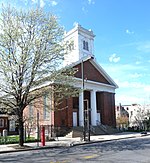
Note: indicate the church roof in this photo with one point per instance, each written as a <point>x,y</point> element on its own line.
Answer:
<point>93,71</point>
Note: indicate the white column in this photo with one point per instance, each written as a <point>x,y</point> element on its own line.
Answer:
<point>81,115</point>
<point>93,108</point>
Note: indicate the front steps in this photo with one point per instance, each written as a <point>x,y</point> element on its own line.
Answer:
<point>95,130</point>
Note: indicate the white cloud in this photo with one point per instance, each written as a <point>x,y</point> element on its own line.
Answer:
<point>75,24</point>
<point>137,62</point>
<point>54,3</point>
<point>91,2</point>
<point>84,10</point>
<point>129,32</point>
<point>135,75</point>
<point>144,46</point>
<point>127,99</point>
<point>42,3</point>
<point>114,58</point>
<point>132,80</point>
<point>127,84</point>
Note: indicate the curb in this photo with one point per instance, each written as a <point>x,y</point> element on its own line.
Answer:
<point>30,149</point>
<point>69,144</point>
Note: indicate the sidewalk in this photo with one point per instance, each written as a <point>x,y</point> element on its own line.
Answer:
<point>63,142</point>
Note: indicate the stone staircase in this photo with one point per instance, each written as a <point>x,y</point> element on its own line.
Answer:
<point>95,130</point>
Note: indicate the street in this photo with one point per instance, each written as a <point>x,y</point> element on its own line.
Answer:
<point>133,150</point>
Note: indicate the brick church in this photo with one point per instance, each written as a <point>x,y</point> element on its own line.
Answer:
<point>99,88</point>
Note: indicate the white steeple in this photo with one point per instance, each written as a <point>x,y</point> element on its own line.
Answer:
<point>82,44</point>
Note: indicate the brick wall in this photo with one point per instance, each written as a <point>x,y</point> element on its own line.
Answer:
<point>106,105</point>
<point>90,73</point>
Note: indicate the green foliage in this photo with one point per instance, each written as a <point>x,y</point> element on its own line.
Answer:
<point>14,139</point>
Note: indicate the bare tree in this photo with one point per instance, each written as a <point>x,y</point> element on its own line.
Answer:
<point>140,117</point>
<point>31,51</point>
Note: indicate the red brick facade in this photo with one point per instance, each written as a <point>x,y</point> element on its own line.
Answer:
<point>90,73</point>
<point>106,106</point>
<point>63,115</point>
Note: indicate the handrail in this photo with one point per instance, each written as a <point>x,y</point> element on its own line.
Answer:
<point>92,129</point>
<point>103,127</point>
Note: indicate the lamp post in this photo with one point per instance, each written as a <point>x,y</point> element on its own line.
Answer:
<point>38,128</point>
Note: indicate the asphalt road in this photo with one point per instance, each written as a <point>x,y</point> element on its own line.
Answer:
<point>135,150</point>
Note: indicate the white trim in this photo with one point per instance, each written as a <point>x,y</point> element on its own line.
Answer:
<point>90,85</point>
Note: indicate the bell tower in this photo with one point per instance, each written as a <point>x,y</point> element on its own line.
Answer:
<point>81,44</point>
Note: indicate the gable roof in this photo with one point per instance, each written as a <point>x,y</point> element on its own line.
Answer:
<point>93,71</point>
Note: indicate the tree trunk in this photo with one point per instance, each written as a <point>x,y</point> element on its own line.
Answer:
<point>21,132</point>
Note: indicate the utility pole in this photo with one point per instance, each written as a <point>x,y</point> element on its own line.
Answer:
<point>82,70</point>
<point>86,124</point>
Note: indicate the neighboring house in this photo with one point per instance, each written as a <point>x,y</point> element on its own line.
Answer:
<point>99,90</point>
<point>8,123</point>
<point>135,112</point>
<point>3,123</point>
<point>122,117</point>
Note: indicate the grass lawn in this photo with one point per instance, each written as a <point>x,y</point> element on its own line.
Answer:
<point>14,139</point>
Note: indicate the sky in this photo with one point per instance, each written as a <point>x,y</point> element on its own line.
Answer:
<point>122,41</point>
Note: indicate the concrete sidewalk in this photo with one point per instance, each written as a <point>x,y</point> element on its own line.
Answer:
<point>64,142</point>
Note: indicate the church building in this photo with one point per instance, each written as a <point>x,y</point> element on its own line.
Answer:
<point>98,96</point>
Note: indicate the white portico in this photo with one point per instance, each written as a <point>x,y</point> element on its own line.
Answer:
<point>93,108</point>
<point>93,88</point>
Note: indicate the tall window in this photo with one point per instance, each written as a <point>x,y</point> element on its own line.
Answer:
<point>12,125</point>
<point>30,110</point>
<point>1,123</point>
<point>46,111</point>
<point>85,45</point>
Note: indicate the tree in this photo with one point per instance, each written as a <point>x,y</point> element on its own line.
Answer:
<point>31,51</point>
<point>122,121</point>
<point>142,116</point>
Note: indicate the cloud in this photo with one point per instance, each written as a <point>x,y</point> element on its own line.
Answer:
<point>133,82</point>
<point>127,84</point>
<point>84,10</point>
<point>144,46</point>
<point>91,2</point>
<point>129,32</point>
<point>137,62</point>
<point>135,75</point>
<point>54,3</point>
<point>127,99</point>
<point>114,58</point>
<point>42,3</point>
<point>75,24</point>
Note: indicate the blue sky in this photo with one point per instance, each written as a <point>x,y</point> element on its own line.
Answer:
<point>122,42</point>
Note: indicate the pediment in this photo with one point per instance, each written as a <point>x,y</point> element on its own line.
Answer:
<point>93,72</point>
